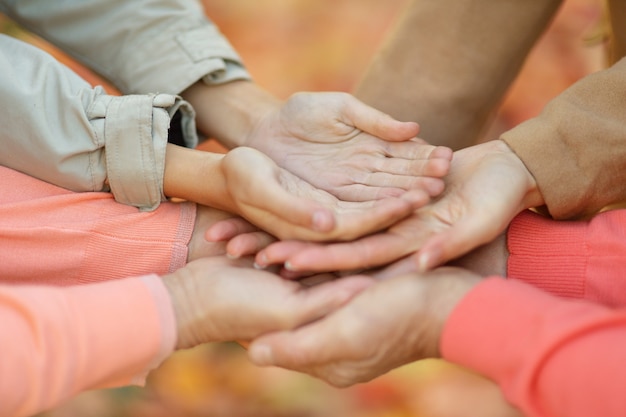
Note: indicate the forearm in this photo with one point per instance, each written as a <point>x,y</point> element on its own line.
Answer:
<point>571,259</point>
<point>49,235</point>
<point>58,342</point>
<point>58,128</point>
<point>196,176</point>
<point>447,65</point>
<point>560,357</point>
<point>229,112</point>
<point>143,46</point>
<point>574,259</point>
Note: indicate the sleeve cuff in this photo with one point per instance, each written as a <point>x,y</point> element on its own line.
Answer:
<point>167,319</point>
<point>135,134</point>
<point>548,254</point>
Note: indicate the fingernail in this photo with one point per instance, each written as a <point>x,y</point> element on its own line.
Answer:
<point>423,260</point>
<point>260,262</point>
<point>231,256</point>
<point>428,259</point>
<point>321,221</point>
<point>261,355</point>
<point>289,267</point>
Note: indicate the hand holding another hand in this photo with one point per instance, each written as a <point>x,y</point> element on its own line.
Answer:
<point>391,323</point>
<point>353,151</point>
<point>487,186</point>
<point>290,208</point>
<point>217,299</point>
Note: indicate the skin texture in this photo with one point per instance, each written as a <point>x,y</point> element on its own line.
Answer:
<point>366,338</point>
<point>219,299</point>
<point>313,135</point>
<point>487,186</point>
<point>275,199</point>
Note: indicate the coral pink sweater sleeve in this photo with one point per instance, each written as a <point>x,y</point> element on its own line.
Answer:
<point>54,236</point>
<point>58,341</point>
<point>551,355</point>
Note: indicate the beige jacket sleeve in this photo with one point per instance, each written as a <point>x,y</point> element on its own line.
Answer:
<point>576,148</point>
<point>141,46</point>
<point>58,128</point>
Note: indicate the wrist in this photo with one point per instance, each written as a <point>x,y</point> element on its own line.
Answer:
<point>176,286</point>
<point>230,112</point>
<point>532,197</point>
<point>196,176</point>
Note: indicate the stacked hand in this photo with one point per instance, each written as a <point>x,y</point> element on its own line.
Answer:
<point>288,207</point>
<point>486,187</point>
<point>340,145</point>
<point>217,299</point>
<point>394,322</point>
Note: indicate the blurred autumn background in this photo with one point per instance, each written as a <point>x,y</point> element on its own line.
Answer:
<point>314,45</point>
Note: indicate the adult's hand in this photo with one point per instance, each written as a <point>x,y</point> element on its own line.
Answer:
<point>248,183</point>
<point>331,140</point>
<point>391,323</point>
<point>240,237</point>
<point>217,299</point>
<point>487,186</point>
<point>353,151</point>
<point>288,207</point>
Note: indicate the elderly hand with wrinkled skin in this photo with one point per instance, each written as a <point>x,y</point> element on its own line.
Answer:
<point>487,186</point>
<point>391,323</point>
<point>353,151</point>
<point>218,299</point>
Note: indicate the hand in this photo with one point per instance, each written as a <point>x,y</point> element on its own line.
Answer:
<point>391,323</point>
<point>288,207</point>
<point>199,246</point>
<point>216,299</point>
<point>487,186</point>
<point>241,237</point>
<point>248,183</point>
<point>342,146</point>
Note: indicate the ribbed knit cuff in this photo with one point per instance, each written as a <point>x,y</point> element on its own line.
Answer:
<point>548,254</point>
<point>167,320</point>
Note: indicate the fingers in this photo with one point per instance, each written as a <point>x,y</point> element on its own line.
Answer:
<point>377,123</point>
<point>366,252</point>
<point>417,150</point>
<point>351,219</point>
<point>455,242</point>
<point>368,218</point>
<point>227,229</point>
<point>379,185</point>
<point>243,238</point>
<point>320,300</point>
<point>298,349</point>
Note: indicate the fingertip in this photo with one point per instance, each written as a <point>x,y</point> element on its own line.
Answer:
<point>417,198</point>
<point>435,187</point>
<point>438,167</point>
<point>261,354</point>
<point>219,232</point>
<point>261,261</point>
<point>323,221</point>
<point>212,235</point>
<point>442,152</point>
<point>428,258</point>
<point>230,255</point>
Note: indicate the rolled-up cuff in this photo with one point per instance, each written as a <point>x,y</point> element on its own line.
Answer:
<point>135,132</point>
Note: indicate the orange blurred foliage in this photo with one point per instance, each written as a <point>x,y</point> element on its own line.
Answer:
<point>315,45</point>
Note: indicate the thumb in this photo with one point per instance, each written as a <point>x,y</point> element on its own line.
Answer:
<point>453,243</point>
<point>315,342</point>
<point>379,124</point>
<point>298,349</point>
